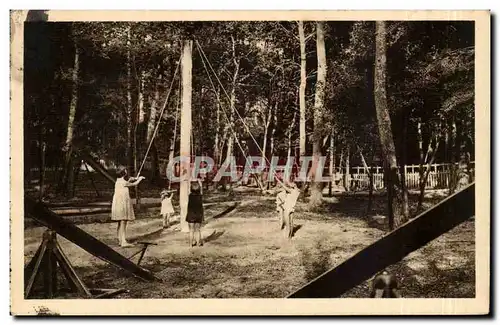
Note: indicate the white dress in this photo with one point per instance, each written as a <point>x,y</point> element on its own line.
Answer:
<point>166,206</point>
<point>122,208</point>
<point>285,202</point>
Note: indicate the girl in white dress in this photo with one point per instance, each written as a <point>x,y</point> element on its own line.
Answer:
<point>166,207</point>
<point>122,209</point>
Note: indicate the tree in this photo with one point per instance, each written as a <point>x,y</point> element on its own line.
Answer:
<point>302,94</point>
<point>319,100</point>
<point>69,175</point>
<point>426,159</point>
<point>394,190</point>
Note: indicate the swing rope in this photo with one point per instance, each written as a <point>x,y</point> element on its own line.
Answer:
<point>239,115</point>
<point>220,104</point>
<point>160,117</point>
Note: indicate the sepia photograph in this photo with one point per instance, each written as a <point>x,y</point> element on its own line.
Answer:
<point>214,159</point>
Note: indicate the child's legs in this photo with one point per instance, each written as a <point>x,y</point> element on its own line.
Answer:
<point>191,233</point>
<point>118,231</point>
<point>197,227</point>
<point>124,232</point>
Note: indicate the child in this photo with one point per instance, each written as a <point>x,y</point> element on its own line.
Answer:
<point>166,207</point>
<point>286,201</point>
<point>195,214</point>
<point>122,209</point>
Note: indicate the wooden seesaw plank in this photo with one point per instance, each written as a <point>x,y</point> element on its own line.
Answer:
<point>92,245</point>
<point>393,247</point>
<point>85,156</point>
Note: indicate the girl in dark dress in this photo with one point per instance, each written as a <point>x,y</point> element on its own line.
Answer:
<point>194,215</point>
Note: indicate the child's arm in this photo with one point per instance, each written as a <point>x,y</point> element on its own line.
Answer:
<point>134,183</point>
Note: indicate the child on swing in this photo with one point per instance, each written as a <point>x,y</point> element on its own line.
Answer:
<point>287,199</point>
<point>194,215</point>
<point>166,206</point>
<point>122,209</point>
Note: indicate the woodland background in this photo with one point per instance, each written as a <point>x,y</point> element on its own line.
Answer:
<point>398,92</point>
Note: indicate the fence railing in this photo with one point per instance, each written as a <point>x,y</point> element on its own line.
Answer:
<point>357,177</point>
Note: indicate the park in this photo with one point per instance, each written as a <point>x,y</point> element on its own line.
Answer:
<point>371,124</point>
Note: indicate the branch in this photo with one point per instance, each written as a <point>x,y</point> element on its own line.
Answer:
<point>287,31</point>
<point>306,39</point>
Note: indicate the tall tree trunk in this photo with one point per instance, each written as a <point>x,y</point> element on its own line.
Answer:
<point>232,104</point>
<point>136,158</point>
<point>402,164</point>
<point>289,134</point>
<point>130,117</point>
<point>347,181</point>
<point>42,148</point>
<point>421,173</point>
<point>273,132</point>
<point>394,190</point>
<point>217,129</point>
<point>141,98</point>
<point>273,129</point>
<point>317,186</point>
<point>370,184</point>
<point>185,145</point>
<point>174,133</point>
<point>331,166</point>
<point>453,150</point>
<point>264,140</point>
<point>69,175</point>
<point>155,173</point>
<point>153,115</point>
<point>302,89</point>
<point>424,173</point>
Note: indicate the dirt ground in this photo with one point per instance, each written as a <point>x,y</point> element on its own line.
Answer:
<point>246,256</point>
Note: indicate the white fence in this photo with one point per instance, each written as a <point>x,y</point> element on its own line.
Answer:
<point>439,176</point>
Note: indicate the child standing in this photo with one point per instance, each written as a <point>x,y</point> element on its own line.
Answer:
<point>122,209</point>
<point>166,207</point>
<point>194,215</point>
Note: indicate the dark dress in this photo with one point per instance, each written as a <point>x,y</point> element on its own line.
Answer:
<point>195,208</point>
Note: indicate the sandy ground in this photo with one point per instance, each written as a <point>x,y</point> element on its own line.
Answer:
<point>245,254</point>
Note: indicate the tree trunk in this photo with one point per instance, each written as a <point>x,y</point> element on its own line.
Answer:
<point>332,163</point>
<point>136,158</point>
<point>402,164</point>
<point>453,149</point>
<point>141,98</point>
<point>271,139</point>
<point>42,147</point>
<point>273,130</point>
<point>217,130</point>
<point>155,169</point>
<point>153,115</point>
<point>422,172</point>
<point>174,139</point>
<point>264,140</point>
<point>289,134</point>
<point>130,117</point>
<point>68,178</point>
<point>230,141</point>
<point>394,190</point>
<point>302,90</point>
<point>370,184</point>
<point>317,185</point>
<point>185,145</point>
<point>347,181</point>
